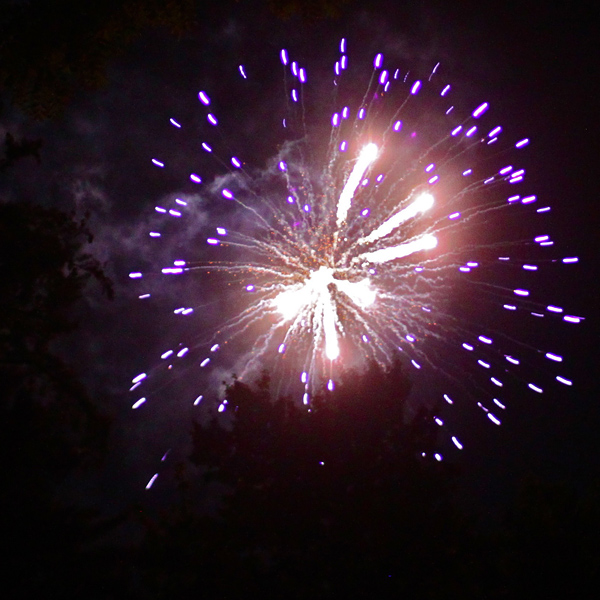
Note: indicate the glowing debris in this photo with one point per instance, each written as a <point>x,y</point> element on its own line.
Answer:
<point>457,443</point>
<point>572,319</point>
<point>415,88</point>
<point>152,480</point>
<point>480,110</point>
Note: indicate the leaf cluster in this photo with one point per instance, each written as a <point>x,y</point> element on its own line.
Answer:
<point>51,430</point>
<point>340,488</point>
<point>43,269</point>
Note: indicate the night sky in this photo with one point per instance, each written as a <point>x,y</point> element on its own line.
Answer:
<point>535,64</point>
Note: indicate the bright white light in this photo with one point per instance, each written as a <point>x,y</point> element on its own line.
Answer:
<point>493,419</point>
<point>426,242</point>
<point>421,204</point>
<point>152,480</point>
<point>367,155</point>
<point>360,292</point>
<point>138,403</point>
<point>313,296</point>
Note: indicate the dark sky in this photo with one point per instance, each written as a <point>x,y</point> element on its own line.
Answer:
<point>537,66</point>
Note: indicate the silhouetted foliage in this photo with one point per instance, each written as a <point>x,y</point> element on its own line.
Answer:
<point>15,150</point>
<point>49,427</point>
<point>549,541</point>
<point>43,269</point>
<point>337,500</point>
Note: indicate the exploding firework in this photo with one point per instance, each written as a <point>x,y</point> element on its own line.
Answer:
<point>395,223</point>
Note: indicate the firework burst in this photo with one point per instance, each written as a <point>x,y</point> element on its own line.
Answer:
<point>395,224</point>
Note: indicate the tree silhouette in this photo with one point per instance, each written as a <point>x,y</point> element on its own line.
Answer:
<point>548,543</point>
<point>49,427</point>
<point>15,150</point>
<point>43,269</point>
<point>332,502</point>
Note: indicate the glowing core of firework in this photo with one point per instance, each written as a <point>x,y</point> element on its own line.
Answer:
<point>313,300</point>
